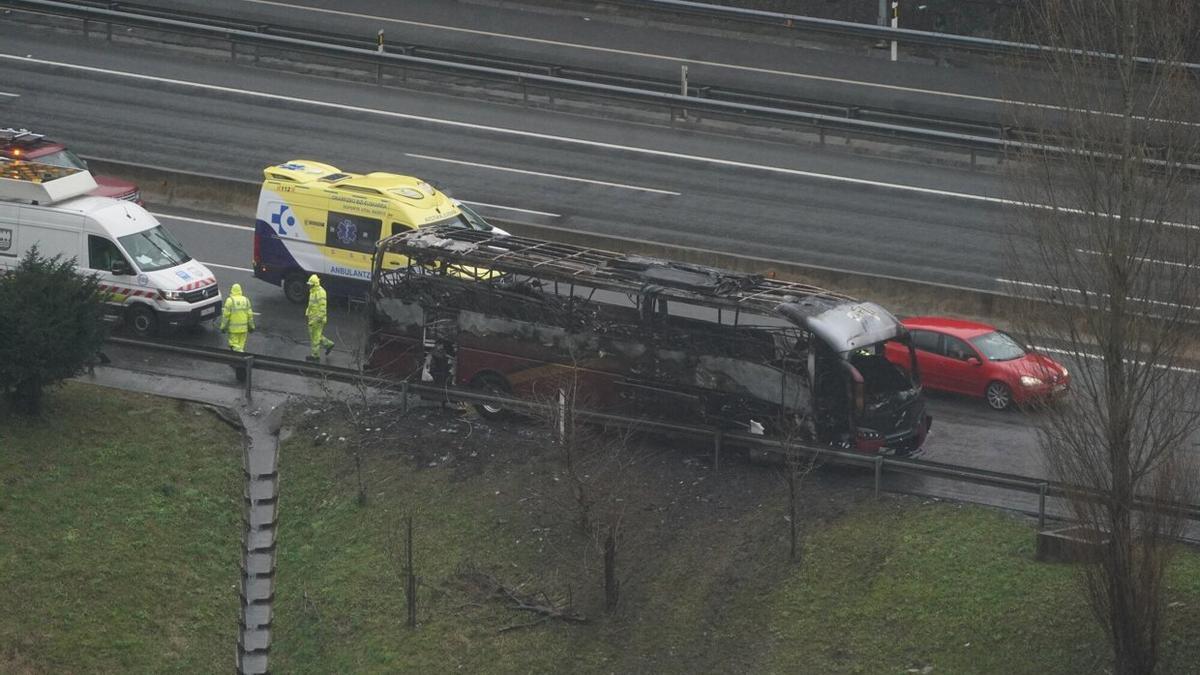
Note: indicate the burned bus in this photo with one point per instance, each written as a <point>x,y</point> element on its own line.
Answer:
<point>641,336</point>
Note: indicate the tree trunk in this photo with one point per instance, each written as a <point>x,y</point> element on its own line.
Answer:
<point>792,555</point>
<point>611,590</point>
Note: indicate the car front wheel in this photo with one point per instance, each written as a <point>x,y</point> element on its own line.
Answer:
<point>999,396</point>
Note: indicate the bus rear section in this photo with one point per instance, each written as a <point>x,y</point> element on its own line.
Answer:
<point>643,337</point>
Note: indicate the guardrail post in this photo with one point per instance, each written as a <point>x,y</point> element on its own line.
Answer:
<point>683,89</point>
<point>1041,507</point>
<point>404,397</point>
<point>248,364</point>
<point>259,28</point>
<point>717,438</point>
<point>379,49</point>
<point>878,474</point>
<point>895,24</point>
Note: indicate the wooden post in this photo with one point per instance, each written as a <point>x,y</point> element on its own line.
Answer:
<point>611,590</point>
<point>878,474</point>
<point>1042,507</point>
<point>717,449</point>
<point>411,578</point>
<point>248,364</point>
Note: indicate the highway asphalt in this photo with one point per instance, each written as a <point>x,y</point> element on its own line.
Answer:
<point>803,203</point>
<point>193,111</point>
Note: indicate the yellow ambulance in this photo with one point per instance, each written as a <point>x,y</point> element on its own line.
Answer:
<point>315,218</point>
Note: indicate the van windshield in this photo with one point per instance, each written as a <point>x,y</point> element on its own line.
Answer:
<point>64,158</point>
<point>462,221</point>
<point>154,249</point>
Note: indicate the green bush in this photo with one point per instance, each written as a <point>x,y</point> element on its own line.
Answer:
<point>51,327</point>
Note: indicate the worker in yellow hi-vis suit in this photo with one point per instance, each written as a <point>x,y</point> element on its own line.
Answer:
<point>317,314</point>
<point>237,318</point>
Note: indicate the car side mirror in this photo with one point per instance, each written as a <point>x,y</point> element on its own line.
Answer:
<point>120,268</point>
<point>971,360</point>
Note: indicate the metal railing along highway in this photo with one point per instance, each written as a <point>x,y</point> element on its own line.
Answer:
<point>719,438</point>
<point>861,30</point>
<point>286,40</point>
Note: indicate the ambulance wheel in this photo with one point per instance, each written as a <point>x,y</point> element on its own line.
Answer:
<point>141,320</point>
<point>295,287</point>
<point>491,383</point>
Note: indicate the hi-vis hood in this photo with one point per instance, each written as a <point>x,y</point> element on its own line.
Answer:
<point>189,276</point>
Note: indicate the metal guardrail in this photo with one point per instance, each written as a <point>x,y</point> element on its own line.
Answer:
<point>865,30</point>
<point>693,88</point>
<point>266,36</point>
<point>719,437</point>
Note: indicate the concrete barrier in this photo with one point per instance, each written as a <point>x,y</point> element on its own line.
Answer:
<point>238,199</point>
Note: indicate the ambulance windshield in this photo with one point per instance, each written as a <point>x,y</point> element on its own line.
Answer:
<point>154,249</point>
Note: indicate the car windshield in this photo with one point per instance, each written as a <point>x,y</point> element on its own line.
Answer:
<point>462,221</point>
<point>64,158</point>
<point>154,249</point>
<point>997,346</point>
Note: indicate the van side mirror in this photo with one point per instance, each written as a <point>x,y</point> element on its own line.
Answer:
<point>121,268</point>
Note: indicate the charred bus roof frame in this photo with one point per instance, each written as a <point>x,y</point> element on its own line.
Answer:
<point>841,321</point>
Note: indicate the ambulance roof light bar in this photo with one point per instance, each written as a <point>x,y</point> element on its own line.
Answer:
<point>42,183</point>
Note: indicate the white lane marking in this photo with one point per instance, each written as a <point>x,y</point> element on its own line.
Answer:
<point>5,93</point>
<point>204,222</point>
<point>697,62</point>
<point>513,208</point>
<point>575,141</point>
<point>1086,355</point>
<point>226,267</point>
<point>1076,291</point>
<point>1149,260</point>
<point>623,186</point>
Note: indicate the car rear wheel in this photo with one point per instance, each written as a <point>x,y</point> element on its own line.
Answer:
<point>295,287</point>
<point>141,320</point>
<point>999,396</point>
<point>491,383</point>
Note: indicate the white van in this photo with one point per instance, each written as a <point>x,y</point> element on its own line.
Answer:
<point>151,281</point>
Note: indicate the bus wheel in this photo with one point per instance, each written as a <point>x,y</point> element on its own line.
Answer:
<point>141,320</point>
<point>491,383</point>
<point>295,287</point>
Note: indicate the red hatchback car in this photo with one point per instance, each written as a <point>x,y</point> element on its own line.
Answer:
<point>975,359</point>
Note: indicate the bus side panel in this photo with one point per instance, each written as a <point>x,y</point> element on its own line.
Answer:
<point>397,355</point>
<point>534,378</point>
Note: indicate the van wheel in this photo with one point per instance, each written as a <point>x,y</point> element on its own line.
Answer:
<point>295,287</point>
<point>491,383</point>
<point>141,320</point>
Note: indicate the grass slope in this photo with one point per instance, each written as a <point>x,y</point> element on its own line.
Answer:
<point>885,586</point>
<point>119,536</point>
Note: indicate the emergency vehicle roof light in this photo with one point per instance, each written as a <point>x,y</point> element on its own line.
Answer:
<point>19,136</point>
<point>42,183</point>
